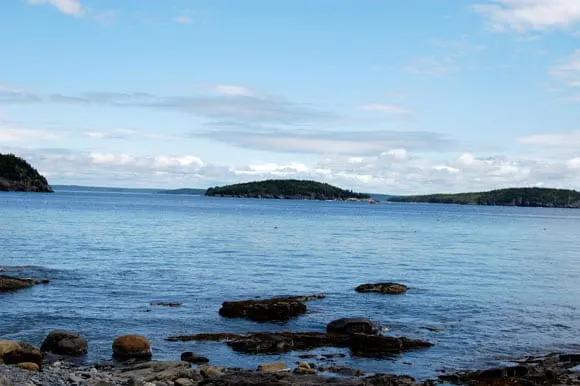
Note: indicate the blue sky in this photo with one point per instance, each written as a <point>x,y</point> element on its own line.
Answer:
<point>389,96</point>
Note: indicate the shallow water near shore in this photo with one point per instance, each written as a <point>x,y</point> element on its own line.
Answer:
<point>497,282</point>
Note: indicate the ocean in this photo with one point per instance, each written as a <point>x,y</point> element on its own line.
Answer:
<point>487,284</point>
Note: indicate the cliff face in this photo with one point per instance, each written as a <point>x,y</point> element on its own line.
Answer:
<point>16,175</point>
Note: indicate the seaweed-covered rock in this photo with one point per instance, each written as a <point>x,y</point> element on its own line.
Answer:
<point>11,283</point>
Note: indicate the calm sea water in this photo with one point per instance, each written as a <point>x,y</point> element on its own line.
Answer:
<point>499,282</point>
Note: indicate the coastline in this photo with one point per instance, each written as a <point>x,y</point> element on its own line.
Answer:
<point>556,368</point>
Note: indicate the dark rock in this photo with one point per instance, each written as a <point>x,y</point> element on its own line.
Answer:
<point>352,325</point>
<point>384,288</point>
<point>342,370</point>
<point>390,380</point>
<point>164,304</point>
<point>283,342</point>
<point>65,343</point>
<point>279,309</point>
<point>10,283</point>
<point>132,347</point>
<point>192,357</point>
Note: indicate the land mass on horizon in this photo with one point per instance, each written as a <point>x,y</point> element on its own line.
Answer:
<point>17,175</point>
<point>529,197</point>
<point>286,189</point>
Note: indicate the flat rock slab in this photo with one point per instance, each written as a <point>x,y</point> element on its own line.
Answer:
<point>279,309</point>
<point>364,345</point>
<point>388,288</point>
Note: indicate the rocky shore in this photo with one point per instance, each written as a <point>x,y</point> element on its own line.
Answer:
<point>555,369</point>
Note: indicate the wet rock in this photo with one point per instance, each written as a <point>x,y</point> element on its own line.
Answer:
<point>304,365</point>
<point>10,283</point>
<point>65,343</point>
<point>13,353</point>
<point>390,380</point>
<point>384,288</point>
<point>352,325</point>
<point>192,357</point>
<point>360,344</point>
<point>269,310</point>
<point>273,367</point>
<point>132,347</point>
<point>307,356</point>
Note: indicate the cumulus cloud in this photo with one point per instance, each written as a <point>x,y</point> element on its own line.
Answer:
<point>68,7</point>
<point>528,15</point>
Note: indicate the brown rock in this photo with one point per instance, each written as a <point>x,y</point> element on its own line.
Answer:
<point>65,343</point>
<point>304,365</point>
<point>277,309</point>
<point>12,353</point>
<point>132,347</point>
<point>273,367</point>
<point>10,283</point>
<point>28,366</point>
<point>384,288</point>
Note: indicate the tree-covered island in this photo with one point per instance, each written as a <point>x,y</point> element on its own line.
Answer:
<point>286,189</point>
<point>531,197</point>
<point>16,175</point>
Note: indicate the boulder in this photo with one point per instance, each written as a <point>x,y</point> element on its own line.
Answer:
<point>132,347</point>
<point>65,343</point>
<point>13,353</point>
<point>352,325</point>
<point>11,283</point>
<point>384,288</point>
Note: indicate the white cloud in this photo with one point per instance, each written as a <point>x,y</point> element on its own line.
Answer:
<point>574,163</point>
<point>568,70</point>
<point>69,7</point>
<point>526,15</point>
<point>10,132</point>
<point>123,133</point>
<point>184,20</point>
<point>569,140</point>
<point>233,90</point>
<point>386,108</point>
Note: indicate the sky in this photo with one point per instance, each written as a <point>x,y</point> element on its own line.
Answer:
<point>381,96</point>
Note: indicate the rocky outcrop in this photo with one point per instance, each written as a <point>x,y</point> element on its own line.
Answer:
<point>16,175</point>
<point>65,343</point>
<point>13,353</point>
<point>352,325</point>
<point>132,347</point>
<point>11,283</point>
<point>279,309</point>
<point>363,345</point>
<point>383,288</point>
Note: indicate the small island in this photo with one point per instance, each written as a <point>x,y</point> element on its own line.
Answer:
<point>16,175</point>
<point>528,197</point>
<point>286,189</point>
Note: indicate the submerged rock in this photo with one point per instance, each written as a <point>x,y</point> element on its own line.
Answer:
<point>11,283</point>
<point>364,345</point>
<point>279,309</point>
<point>384,288</point>
<point>192,357</point>
<point>352,325</point>
<point>132,347</point>
<point>65,343</point>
